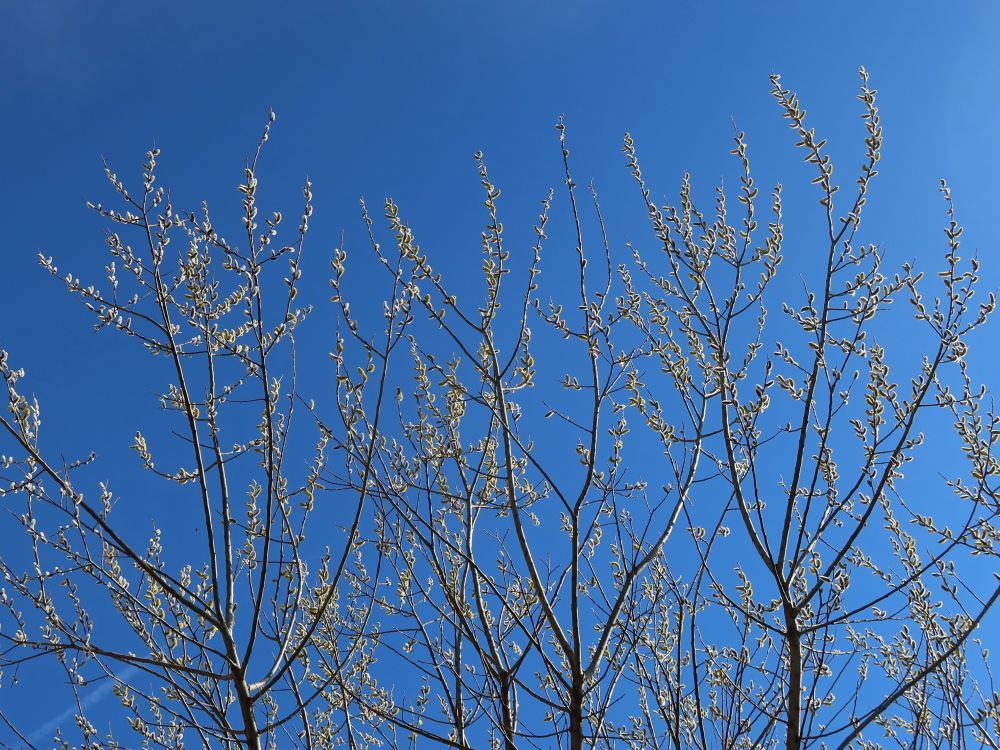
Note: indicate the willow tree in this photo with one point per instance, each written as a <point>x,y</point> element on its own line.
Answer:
<point>646,515</point>
<point>615,504</point>
<point>201,634</point>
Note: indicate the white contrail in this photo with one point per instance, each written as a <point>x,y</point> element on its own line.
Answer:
<point>44,732</point>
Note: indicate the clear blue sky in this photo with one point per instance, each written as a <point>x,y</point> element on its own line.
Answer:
<point>387,98</point>
<point>391,98</point>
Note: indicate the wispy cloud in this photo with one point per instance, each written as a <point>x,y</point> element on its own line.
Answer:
<point>92,697</point>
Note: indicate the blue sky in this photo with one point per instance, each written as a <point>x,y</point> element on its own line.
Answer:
<point>383,98</point>
<point>389,98</point>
